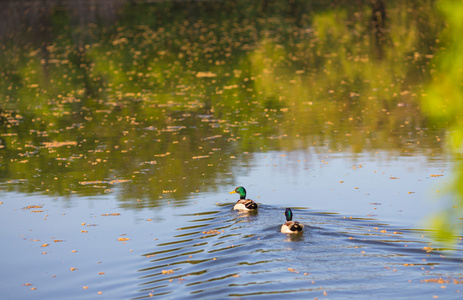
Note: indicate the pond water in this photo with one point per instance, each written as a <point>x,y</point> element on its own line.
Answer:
<point>365,235</point>
<point>124,126</point>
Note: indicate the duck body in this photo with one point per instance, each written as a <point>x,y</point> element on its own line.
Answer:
<point>291,226</point>
<point>243,203</point>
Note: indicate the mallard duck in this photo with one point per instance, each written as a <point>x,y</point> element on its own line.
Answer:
<point>291,226</point>
<point>243,203</point>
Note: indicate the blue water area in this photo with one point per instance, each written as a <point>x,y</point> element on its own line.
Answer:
<point>366,234</point>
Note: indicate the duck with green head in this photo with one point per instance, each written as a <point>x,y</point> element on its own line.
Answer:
<point>291,226</point>
<point>243,203</point>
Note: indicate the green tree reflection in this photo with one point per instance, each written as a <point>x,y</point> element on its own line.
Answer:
<point>166,98</point>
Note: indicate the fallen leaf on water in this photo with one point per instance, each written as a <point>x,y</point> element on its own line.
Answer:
<point>207,74</point>
<point>212,231</point>
<point>33,206</point>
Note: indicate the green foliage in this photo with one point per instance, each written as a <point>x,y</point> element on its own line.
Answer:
<point>444,103</point>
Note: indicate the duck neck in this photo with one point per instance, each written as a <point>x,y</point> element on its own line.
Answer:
<point>242,193</point>
<point>289,215</point>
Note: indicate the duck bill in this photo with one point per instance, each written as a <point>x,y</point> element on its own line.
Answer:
<point>232,192</point>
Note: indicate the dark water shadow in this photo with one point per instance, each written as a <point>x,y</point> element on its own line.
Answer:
<point>226,253</point>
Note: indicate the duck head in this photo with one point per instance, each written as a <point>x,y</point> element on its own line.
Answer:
<point>240,190</point>
<point>288,214</point>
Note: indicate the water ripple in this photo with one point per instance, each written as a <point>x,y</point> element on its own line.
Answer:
<point>226,253</point>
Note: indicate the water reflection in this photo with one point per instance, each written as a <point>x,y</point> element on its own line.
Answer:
<point>233,255</point>
<point>152,102</point>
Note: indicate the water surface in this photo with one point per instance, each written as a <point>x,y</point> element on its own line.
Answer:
<point>124,126</point>
<point>365,236</point>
